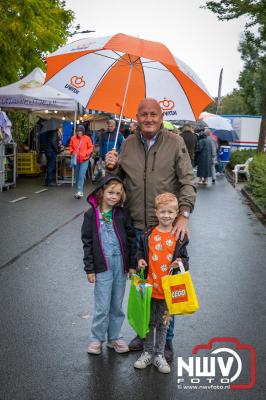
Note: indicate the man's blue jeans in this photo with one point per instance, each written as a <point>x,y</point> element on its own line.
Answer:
<point>80,172</point>
<point>170,331</point>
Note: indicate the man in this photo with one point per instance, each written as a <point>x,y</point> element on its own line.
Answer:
<point>154,161</point>
<point>51,150</point>
<point>214,145</point>
<point>190,139</point>
<point>133,127</point>
<point>107,140</point>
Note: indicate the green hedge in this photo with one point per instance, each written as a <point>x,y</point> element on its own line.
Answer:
<point>257,182</point>
<point>240,157</point>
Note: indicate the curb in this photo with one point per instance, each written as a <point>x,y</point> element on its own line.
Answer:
<point>251,199</point>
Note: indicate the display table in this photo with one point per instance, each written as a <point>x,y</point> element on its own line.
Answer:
<point>64,172</point>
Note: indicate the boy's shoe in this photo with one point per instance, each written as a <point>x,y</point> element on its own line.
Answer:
<point>136,344</point>
<point>143,361</point>
<point>118,345</point>
<point>162,365</point>
<point>94,348</point>
<point>168,351</point>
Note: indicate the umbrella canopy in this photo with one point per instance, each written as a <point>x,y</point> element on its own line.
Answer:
<point>168,125</point>
<point>221,127</point>
<point>114,73</point>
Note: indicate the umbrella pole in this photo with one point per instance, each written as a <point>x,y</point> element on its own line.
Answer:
<point>75,118</point>
<point>123,104</point>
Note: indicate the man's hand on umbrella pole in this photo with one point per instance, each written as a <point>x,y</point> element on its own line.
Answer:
<point>111,159</point>
<point>181,228</point>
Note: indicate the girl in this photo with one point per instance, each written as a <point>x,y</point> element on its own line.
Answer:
<point>109,249</point>
<point>81,146</point>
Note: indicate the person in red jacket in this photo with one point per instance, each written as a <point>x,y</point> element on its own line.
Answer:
<point>81,146</point>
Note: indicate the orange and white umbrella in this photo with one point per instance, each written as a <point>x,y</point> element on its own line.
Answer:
<point>114,73</point>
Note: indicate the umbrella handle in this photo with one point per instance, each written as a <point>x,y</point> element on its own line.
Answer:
<point>111,167</point>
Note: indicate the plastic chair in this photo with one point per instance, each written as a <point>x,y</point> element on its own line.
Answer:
<point>242,169</point>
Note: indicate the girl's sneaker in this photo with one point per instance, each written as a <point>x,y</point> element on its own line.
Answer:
<point>162,365</point>
<point>118,345</point>
<point>94,348</point>
<point>143,361</point>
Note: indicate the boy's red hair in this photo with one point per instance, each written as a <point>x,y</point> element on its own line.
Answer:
<point>165,198</point>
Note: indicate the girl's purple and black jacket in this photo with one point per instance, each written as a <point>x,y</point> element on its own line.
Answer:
<point>180,251</point>
<point>94,259</point>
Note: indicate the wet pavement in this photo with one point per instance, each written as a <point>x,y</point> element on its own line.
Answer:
<point>47,305</point>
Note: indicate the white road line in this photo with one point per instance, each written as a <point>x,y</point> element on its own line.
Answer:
<point>18,199</point>
<point>40,191</point>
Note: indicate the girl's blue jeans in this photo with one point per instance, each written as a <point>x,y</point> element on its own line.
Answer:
<point>170,331</point>
<point>80,172</point>
<point>109,292</point>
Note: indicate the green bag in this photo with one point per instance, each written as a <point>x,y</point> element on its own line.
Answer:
<point>139,304</point>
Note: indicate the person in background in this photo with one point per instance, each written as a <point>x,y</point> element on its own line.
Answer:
<point>214,145</point>
<point>151,162</point>
<point>133,127</point>
<point>81,146</point>
<point>190,139</point>
<point>204,158</point>
<point>109,251</point>
<point>51,149</point>
<point>107,140</point>
<point>124,129</point>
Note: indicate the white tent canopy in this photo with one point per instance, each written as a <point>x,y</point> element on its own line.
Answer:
<point>30,93</point>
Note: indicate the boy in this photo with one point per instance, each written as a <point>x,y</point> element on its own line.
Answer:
<point>159,251</point>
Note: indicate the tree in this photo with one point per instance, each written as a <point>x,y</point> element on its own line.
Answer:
<point>232,103</point>
<point>29,29</point>
<point>252,79</point>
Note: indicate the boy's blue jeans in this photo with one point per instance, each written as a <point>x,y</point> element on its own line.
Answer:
<point>80,172</point>
<point>170,331</point>
<point>109,292</point>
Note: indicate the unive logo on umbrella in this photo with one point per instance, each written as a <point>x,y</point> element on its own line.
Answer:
<point>76,82</point>
<point>167,106</point>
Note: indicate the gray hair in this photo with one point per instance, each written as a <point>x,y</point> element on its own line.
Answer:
<point>111,121</point>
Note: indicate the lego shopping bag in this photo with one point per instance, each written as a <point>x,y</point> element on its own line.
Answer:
<point>180,295</point>
<point>139,304</point>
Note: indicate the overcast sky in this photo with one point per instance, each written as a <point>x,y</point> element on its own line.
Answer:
<point>192,34</point>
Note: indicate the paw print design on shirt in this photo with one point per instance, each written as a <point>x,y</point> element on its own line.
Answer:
<point>155,285</point>
<point>154,276</point>
<point>157,238</point>
<point>159,246</point>
<point>169,242</point>
<point>169,257</point>
<point>163,267</point>
<point>154,257</point>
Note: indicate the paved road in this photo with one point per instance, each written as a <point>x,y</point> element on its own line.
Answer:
<point>46,306</point>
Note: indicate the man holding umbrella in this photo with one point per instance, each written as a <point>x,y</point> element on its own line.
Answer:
<point>151,162</point>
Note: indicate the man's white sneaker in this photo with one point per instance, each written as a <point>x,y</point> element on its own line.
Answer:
<point>78,195</point>
<point>162,365</point>
<point>143,361</point>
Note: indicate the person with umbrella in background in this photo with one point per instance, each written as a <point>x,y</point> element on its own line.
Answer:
<point>190,139</point>
<point>81,146</point>
<point>214,145</point>
<point>204,158</point>
<point>151,162</point>
<point>108,139</point>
